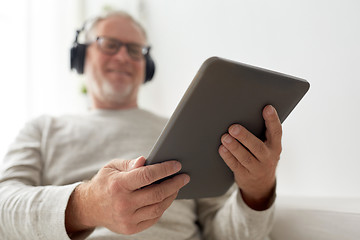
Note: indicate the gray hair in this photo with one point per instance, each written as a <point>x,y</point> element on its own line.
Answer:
<point>89,30</point>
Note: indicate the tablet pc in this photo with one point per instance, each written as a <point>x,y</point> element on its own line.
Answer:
<point>222,93</point>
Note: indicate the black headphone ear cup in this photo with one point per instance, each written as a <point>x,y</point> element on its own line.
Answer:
<point>77,57</point>
<point>150,68</point>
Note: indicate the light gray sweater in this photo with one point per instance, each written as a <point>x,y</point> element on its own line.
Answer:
<point>52,155</point>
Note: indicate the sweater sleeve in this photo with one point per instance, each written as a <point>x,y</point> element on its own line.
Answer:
<point>28,209</point>
<point>228,217</point>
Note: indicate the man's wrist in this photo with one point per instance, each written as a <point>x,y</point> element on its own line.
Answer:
<point>261,202</point>
<point>76,219</point>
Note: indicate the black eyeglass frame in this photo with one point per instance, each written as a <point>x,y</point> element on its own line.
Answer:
<point>143,50</point>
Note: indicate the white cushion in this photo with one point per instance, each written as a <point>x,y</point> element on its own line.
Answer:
<point>308,218</point>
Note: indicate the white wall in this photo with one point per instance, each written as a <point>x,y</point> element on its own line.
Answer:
<point>14,53</point>
<point>316,40</point>
<point>35,77</point>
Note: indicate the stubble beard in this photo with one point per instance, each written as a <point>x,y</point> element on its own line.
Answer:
<point>107,94</point>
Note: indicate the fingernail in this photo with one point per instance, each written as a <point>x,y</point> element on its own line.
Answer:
<point>177,166</point>
<point>186,179</point>
<point>227,138</point>
<point>270,110</point>
<point>224,149</point>
<point>235,129</point>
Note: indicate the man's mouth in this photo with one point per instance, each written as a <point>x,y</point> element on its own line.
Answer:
<point>119,72</point>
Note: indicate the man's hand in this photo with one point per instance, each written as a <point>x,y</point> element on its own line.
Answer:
<point>254,161</point>
<point>120,196</point>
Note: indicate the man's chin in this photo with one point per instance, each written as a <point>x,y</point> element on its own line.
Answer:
<point>120,93</point>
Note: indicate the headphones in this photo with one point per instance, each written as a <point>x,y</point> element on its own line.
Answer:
<point>78,54</point>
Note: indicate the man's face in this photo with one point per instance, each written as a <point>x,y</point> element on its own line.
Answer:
<point>113,81</point>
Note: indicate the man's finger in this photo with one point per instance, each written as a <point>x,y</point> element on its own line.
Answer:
<point>156,193</point>
<point>253,144</point>
<point>120,164</point>
<point>136,163</point>
<point>144,176</point>
<point>273,127</point>
<point>155,210</point>
<point>234,164</point>
<point>146,224</point>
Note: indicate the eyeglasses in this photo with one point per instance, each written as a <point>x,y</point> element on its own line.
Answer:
<point>111,46</point>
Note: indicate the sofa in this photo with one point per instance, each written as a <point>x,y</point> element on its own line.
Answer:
<point>316,218</point>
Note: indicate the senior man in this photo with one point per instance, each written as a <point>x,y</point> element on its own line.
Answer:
<point>83,176</point>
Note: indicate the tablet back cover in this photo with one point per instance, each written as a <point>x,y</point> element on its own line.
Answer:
<point>222,93</point>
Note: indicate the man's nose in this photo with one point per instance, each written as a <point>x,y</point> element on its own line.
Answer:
<point>122,54</point>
